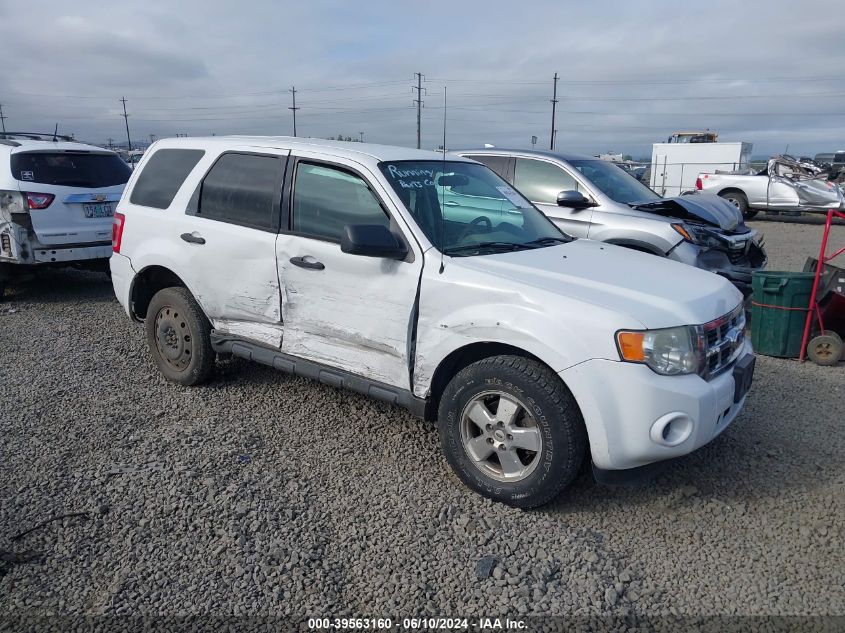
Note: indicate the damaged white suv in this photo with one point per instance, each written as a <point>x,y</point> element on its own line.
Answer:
<point>368,267</point>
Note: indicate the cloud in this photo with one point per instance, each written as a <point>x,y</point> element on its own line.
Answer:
<point>631,73</point>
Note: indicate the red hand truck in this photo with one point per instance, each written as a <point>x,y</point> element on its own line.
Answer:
<point>828,344</point>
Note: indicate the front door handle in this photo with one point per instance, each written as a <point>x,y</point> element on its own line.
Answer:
<point>193,239</point>
<point>304,263</point>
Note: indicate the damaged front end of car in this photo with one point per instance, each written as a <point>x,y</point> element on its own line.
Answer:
<point>721,241</point>
<point>734,255</point>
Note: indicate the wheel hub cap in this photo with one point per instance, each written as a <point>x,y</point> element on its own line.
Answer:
<point>173,338</point>
<point>500,436</point>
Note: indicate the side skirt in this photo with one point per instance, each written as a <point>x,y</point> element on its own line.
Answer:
<point>228,344</point>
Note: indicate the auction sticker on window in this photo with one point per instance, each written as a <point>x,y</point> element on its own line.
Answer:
<point>511,194</point>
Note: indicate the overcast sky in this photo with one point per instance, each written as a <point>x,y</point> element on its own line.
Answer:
<point>771,73</point>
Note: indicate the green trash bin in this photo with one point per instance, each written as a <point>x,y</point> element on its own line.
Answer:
<point>779,303</point>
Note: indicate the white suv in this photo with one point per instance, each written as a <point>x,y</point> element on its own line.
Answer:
<point>57,198</point>
<point>354,265</point>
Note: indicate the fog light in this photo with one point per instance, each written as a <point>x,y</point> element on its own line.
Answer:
<point>672,429</point>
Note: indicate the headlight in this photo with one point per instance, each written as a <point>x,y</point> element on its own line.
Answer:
<point>695,234</point>
<point>669,352</point>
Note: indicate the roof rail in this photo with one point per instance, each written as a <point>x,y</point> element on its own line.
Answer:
<point>9,143</point>
<point>35,136</point>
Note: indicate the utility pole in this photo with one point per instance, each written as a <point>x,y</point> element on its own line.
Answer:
<point>419,103</point>
<point>126,120</point>
<point>362,136</point>
<point>554,103</point>
<point>2,118</point>
<point>152,138</point>
<point>293,107</point>
<point>111,142</point>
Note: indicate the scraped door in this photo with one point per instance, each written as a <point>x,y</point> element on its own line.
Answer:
<point>345,311</point>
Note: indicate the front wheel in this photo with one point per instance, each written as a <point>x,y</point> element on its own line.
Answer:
<point>179,337</point>
<point>511,430</point>
<point>825,349</point>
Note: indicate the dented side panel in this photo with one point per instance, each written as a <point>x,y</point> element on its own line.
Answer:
<point>354,314</point>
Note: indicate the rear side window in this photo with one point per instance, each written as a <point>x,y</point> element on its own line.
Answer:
<point>70,169</point>
<point>326,199</point>
<point>499,164</point>
<point>162,176</point>
<point>242,189</point>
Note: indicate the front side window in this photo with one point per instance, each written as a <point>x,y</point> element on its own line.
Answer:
<point>614,182</point>
<point>326,199</point>
<point>241,189</point>
<point>83,169</point>
<point>541,181</point>
<point>466,209</point>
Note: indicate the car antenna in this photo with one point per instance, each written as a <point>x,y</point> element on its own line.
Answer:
<point>443,188</point>
<point>56,133</point>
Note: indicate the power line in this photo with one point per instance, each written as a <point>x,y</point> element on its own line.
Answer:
<point>293,108</point>
<point>126,120</point>
<point>554,105</point>
<point>419,103</point>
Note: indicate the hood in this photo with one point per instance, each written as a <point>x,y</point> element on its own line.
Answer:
<point>702,207</point>
<point>652,291</point>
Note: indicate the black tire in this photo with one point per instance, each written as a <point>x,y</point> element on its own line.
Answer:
<point>549,409</point>
<point>825,349</point>
<point>740,201</point>
<point>179,337</point>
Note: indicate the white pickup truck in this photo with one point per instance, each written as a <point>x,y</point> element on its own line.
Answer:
<point>342,262</point>
<point>785,185</point>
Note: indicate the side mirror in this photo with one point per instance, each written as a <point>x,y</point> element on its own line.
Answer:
<point>371,240</point>
<point>574,200</point>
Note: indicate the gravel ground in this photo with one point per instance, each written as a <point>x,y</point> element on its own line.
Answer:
<point>267,494</point>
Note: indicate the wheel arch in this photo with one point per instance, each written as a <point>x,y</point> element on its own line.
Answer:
<point>146,284</point>
<point>462,357</point>
<point>732,190</point>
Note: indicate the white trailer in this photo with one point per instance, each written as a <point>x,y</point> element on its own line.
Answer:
<point>675,166</point>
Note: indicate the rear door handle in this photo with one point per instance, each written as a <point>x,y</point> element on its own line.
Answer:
<point>193,239</point>
<point>304,263</point>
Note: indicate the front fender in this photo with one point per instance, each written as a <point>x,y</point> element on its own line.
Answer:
<point>453,315</point>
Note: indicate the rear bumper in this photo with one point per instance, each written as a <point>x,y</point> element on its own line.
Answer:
<point>71,253</point>
<point>626,416</point>
<point>122,275</point>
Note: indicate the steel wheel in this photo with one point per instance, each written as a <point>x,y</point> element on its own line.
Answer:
<point>500,436</point>
<point>173,338</point>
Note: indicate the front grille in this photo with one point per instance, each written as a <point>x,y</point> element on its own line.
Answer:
<point>723,339</point>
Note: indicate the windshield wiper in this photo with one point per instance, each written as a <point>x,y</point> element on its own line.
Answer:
<point>546,241</point>
<point>507,246</point>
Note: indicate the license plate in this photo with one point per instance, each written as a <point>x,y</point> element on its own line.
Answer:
<point>743,375</point>
<point>98,210</point>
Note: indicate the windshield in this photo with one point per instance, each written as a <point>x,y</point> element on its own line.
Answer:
<point>615,183</point>
<point>466,209</point>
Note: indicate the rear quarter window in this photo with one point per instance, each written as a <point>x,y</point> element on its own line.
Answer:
<point>163,175</point>
<point>70,169</point>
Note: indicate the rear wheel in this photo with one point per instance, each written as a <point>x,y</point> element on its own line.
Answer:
<point>825,349</point>
<point>511,430</point>
<point>179,337</point>
<point>738,199</point>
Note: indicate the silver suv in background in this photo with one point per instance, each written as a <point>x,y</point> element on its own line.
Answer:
<point>57,199</point>
<point>592,198</point>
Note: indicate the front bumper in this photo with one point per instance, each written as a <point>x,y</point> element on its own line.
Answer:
<point>737,268</point>
<point>636,417</point>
